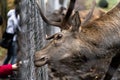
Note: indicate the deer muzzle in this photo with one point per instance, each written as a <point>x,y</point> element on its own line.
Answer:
<point>40,60</point>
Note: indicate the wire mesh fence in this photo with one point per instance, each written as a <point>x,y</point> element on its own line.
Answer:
<point>31,39</point>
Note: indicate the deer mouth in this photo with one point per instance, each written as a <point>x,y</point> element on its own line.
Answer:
<point>41,61</point>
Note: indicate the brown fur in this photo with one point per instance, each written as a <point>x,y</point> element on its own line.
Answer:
<point>78,53</point>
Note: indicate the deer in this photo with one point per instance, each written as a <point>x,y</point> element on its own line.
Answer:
<point>81,48</point>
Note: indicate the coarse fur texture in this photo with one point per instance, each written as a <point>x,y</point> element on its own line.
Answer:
<point>82,49</point>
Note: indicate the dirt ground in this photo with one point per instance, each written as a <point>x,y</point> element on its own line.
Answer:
<point>2,55</point>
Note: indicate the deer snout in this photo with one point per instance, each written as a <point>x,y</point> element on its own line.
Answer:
<point>40,60</point>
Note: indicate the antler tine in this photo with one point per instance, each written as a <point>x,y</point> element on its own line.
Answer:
<point>45,19</point>
<point>69,12</point>
<point>90,13</point>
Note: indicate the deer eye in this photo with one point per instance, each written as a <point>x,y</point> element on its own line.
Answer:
<point>59,36</point>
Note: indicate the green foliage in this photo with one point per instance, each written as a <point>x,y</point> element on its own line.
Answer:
<point>112,3</point>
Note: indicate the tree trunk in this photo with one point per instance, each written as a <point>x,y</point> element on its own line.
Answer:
<point>31,38</point>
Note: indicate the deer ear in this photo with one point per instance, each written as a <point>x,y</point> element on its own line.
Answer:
<point>75,21</point>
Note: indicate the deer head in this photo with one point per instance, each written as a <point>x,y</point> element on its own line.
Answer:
<point>70,25</point>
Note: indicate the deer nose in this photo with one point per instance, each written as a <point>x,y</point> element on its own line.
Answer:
<point>43,58</point>
<point>40,57</point>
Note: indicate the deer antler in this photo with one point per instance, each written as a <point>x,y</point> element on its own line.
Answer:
<point>90,13</point>
<point>63,23</point>
<point>68,14</point>
<point>45,19</point>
